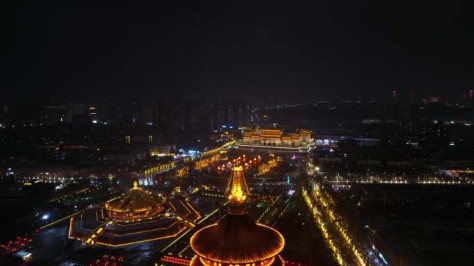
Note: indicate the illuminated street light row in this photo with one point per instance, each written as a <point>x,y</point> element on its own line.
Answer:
<point>325,200</point>
<point>316,213</point>
<point>403,182</point>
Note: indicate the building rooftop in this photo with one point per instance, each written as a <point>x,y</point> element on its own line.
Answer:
<point>135,200</point>
<point>237,239</point>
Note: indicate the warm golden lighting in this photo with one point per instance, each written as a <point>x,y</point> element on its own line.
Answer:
<point>183,171</point>
<point>135,204</point>
<point>218,149</point>
<point>186,219</point>
<point>235,248</point>
<point>200,164</point>
<point>237,190</point>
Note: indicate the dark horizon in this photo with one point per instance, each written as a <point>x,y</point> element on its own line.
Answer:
<point>248,51</point>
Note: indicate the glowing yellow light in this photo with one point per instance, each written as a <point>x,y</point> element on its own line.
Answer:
<point>268,258</point>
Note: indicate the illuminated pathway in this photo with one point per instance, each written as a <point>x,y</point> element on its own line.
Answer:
<point>400,181</point>
<point>316,213</point>
<point>189,230</point>
<point>59,220</point>
<point>74,193</point>
<point>345,249</point>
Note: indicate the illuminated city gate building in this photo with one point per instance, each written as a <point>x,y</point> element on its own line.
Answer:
<point>271,137</point>
<point>135,217</point>
<point>236,239</point>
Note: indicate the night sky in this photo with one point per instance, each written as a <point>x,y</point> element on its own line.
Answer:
<point>249,50</point>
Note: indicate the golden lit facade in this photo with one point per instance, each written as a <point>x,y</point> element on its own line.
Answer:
<point>147,176</point>
<point>162,167</point>
<point>136,204</point>
<point>236,239</point>
<point>205,162</point>
<point>275,137</point>
<point>136,217</point>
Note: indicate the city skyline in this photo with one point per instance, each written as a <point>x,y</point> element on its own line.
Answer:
<point>257,133</point>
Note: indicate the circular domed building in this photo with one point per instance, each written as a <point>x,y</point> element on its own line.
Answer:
<point>136,204</point>
<point>236,239</point>
<point>137,216</point>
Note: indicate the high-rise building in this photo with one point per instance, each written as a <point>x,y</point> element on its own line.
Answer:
<point>4,115</point>
<point>167,115</point>
<point>229,114</point>
<point>394,94</point>
<point>24,114</point>
<point>470,96</point>
<point>53,114</point>
<point>200,115</point>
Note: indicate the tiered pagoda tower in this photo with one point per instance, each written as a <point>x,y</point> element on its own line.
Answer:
<point>237,240</point>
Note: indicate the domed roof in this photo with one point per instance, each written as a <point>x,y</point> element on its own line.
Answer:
<point>237,239</point>
<point>135,200</point>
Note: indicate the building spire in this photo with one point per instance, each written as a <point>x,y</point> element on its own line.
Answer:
<point>237,191</point>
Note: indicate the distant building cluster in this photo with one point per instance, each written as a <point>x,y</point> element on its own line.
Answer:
<point>40,113</point>
<point>166,114</point>
<point>205,115</point>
